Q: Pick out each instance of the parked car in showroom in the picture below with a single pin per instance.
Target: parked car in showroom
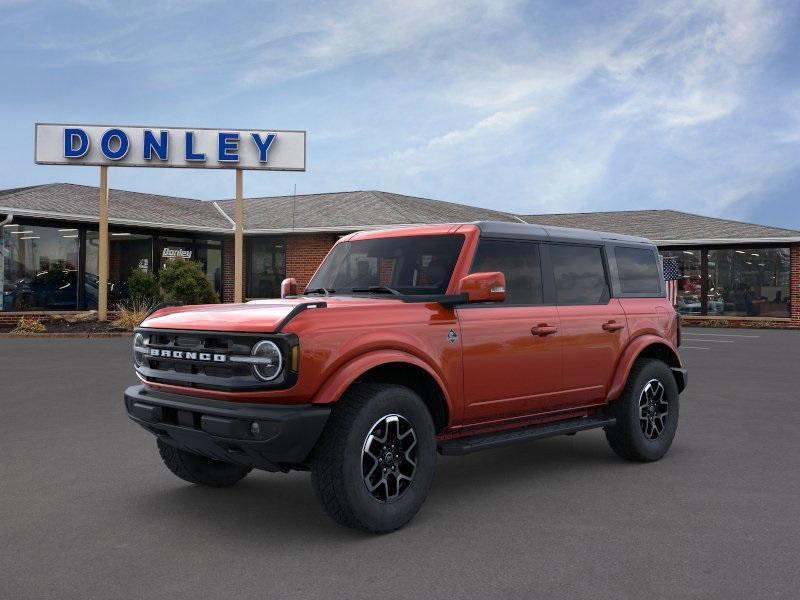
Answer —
(52, 288)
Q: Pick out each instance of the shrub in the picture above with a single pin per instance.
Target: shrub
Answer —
(184, 281)
(143, 288)
(132, 313)
(25, 325)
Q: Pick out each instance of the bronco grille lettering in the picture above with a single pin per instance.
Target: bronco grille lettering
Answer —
(185, 355)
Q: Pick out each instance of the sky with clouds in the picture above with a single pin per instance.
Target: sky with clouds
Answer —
(528, 107)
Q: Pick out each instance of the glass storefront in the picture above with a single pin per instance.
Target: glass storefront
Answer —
(39, 267)
(266, 267)
(749, 282)
(690, 279)
(54, 267)
(738, 282)
(128, 251)
(208, 253)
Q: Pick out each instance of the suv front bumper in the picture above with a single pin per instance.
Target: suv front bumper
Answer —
(263, 436)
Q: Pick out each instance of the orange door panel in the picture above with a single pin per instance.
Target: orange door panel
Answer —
(512, 360)
(593, 337)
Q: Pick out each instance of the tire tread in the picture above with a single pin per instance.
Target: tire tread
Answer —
(179, 462)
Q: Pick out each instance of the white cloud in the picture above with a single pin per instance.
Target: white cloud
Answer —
(348, 32)
(476, 143)
(566, 107)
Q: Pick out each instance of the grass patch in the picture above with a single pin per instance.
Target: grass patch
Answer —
(26, 325)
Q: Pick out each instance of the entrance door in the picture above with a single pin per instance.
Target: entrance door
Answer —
(511, 351)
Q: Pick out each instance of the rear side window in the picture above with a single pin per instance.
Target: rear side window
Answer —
(638, 271)
(519, 262)
(579, 274)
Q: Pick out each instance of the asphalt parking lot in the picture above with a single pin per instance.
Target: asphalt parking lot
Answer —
(88, 511)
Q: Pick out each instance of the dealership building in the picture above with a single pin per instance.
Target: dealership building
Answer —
(728, 271)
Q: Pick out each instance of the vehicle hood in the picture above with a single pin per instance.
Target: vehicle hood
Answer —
(257, 316)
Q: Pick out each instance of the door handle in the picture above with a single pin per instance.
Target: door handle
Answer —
(612, 326)
(543, 329)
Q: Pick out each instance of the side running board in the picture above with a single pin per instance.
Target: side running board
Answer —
(484, 441)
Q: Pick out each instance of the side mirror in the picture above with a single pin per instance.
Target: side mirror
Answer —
(484, 287)
(289, 287)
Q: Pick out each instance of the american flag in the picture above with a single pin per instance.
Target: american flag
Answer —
(671, 275)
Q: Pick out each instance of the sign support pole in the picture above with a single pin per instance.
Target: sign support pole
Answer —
(102, 267)
(238, 255)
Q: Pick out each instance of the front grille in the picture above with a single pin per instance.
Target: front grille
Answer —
(194, 359)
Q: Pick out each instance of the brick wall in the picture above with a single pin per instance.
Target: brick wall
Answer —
(228, 267)
(794, 283)
(304, 253)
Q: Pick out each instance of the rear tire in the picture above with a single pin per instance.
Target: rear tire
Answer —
(646, 413)
(199, 469)
(374, 463)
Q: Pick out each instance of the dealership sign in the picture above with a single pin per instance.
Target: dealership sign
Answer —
(176, 253)
(193, 148)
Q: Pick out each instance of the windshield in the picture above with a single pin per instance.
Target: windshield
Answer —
(420, 264)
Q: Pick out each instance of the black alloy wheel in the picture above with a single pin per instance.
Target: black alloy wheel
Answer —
(389, 458)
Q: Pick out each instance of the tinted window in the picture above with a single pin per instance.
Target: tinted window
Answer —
(579, 275)
(519, 262)
(416, 264)
(38, 268)
(638, 271)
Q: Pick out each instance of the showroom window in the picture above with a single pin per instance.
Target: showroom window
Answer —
(206, 252)
(690, 279)
(266, 266)
(748, 282)
(209, 255)
(39, 267)
(128, 251)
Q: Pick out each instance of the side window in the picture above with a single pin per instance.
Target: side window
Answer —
(579, 273)
(638, 271)
(519, 262)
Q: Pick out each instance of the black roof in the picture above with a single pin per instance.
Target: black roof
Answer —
(497, 229)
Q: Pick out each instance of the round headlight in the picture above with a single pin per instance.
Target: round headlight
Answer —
(138, 342)
(269, 360)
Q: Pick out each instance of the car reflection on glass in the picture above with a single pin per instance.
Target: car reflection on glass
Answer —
(690, 305)
(51, 289)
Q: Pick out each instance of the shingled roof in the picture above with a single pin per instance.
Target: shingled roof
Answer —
(667, 226)
(350, 211)
(72, 202)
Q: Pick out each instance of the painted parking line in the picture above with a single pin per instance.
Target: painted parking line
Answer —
(736, 335)
(694, 348)
(706, 341)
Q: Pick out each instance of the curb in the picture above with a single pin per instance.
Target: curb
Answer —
(115, 334)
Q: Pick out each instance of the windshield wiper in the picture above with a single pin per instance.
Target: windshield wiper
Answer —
(319, 290)
(378, 289)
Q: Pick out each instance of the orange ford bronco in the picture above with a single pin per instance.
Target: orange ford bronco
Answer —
(450, 338)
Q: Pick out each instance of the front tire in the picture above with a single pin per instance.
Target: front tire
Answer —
(646, 413)
(374, 463)
(199, 469)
